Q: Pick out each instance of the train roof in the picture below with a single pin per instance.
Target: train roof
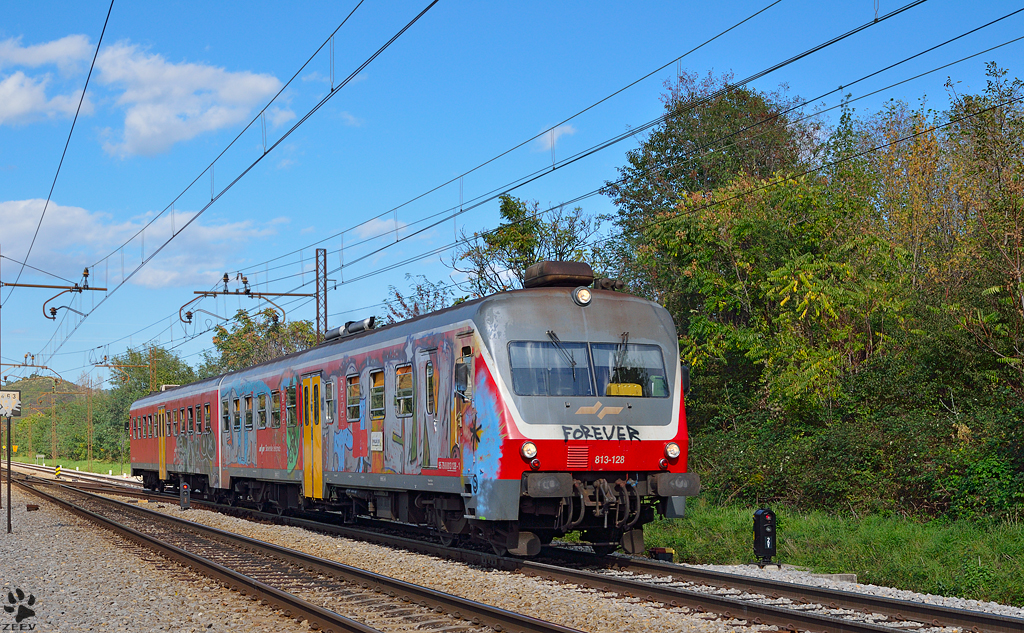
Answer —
(461, 311)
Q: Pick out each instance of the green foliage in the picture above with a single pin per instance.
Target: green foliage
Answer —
(496, 261)
(253, 340)
(710, 135)
(959, 558)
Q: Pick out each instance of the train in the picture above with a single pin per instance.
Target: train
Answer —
(507, 420)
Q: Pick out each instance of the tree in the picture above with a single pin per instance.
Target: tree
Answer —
(424, 296)
(131, 383)
(254, 340)
(496, 261)
(711, 134)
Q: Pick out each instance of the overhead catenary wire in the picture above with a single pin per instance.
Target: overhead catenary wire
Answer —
(261, 116)
(625, 135)
(596, 191)
(62, 155)
(253, 164)
(525, 142)
(747, 192)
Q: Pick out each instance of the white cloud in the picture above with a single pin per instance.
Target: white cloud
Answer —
(279, 116)
(23, 99)
(350, 119)
(544, 143)
(166, 103)
(378, 227)
(71, 237)
(66, 53)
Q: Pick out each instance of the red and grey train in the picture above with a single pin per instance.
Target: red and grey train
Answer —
(510, 420)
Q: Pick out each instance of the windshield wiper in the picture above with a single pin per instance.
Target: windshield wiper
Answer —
(569, 358)
(620, 353)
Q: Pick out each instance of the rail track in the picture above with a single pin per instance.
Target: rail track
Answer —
(74, 475)
(789, 606)
(300, 585)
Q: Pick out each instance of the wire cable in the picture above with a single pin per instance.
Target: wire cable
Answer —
(62, 155)
(253, 164)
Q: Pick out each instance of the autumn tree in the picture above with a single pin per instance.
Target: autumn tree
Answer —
(496, 260)
(423, 296)
(256, 339)
(711, 134)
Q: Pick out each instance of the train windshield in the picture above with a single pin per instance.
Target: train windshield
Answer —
(627, 369)
(553, 368)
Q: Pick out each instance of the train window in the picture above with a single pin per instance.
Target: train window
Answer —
(174, 426)
(555, 368)
(149, 426)
(403, 391)
(225, 416)
(464, 373)
(328, 402)
(629, 370)
(275, 409)
(261, 412)
(236, 414)
(316, 404)
(206, 417)
(181, 416)
(292, 419)
(376, 395)
(248, 412)
(191, 422)
(429, 371)
(352, 398)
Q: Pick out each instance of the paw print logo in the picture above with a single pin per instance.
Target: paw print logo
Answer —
(20, 605)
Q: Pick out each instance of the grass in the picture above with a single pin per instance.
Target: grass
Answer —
(958, 558)
(102, 467)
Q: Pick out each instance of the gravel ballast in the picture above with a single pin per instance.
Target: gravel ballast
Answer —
(85, 578)
(790, 574)
(574, 607)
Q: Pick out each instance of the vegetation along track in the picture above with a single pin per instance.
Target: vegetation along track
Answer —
(292, 581)
(786, 605)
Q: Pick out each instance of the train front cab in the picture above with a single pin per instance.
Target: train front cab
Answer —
(597, 421)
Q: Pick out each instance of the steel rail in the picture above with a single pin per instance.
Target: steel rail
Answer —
(930, 615)
(82, 476)
(321, 618)
(753, 612)
(455, 606)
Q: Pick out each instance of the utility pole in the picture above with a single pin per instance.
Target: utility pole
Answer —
(321, 294)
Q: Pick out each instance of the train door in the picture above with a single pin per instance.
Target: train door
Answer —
(428, 418)
(463, 390)
(312, 438)
(161, 442)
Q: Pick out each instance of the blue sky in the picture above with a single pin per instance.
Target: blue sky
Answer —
(175, 82)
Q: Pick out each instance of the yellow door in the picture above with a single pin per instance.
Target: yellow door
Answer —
(312, 439)
(161, 442)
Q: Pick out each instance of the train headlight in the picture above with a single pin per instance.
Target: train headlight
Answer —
(528, 450)
(672, 450)
(582, 296)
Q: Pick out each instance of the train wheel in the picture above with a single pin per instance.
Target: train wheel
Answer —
(500, 550)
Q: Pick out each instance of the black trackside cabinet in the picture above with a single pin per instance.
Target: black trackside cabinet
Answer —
(764, 534)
